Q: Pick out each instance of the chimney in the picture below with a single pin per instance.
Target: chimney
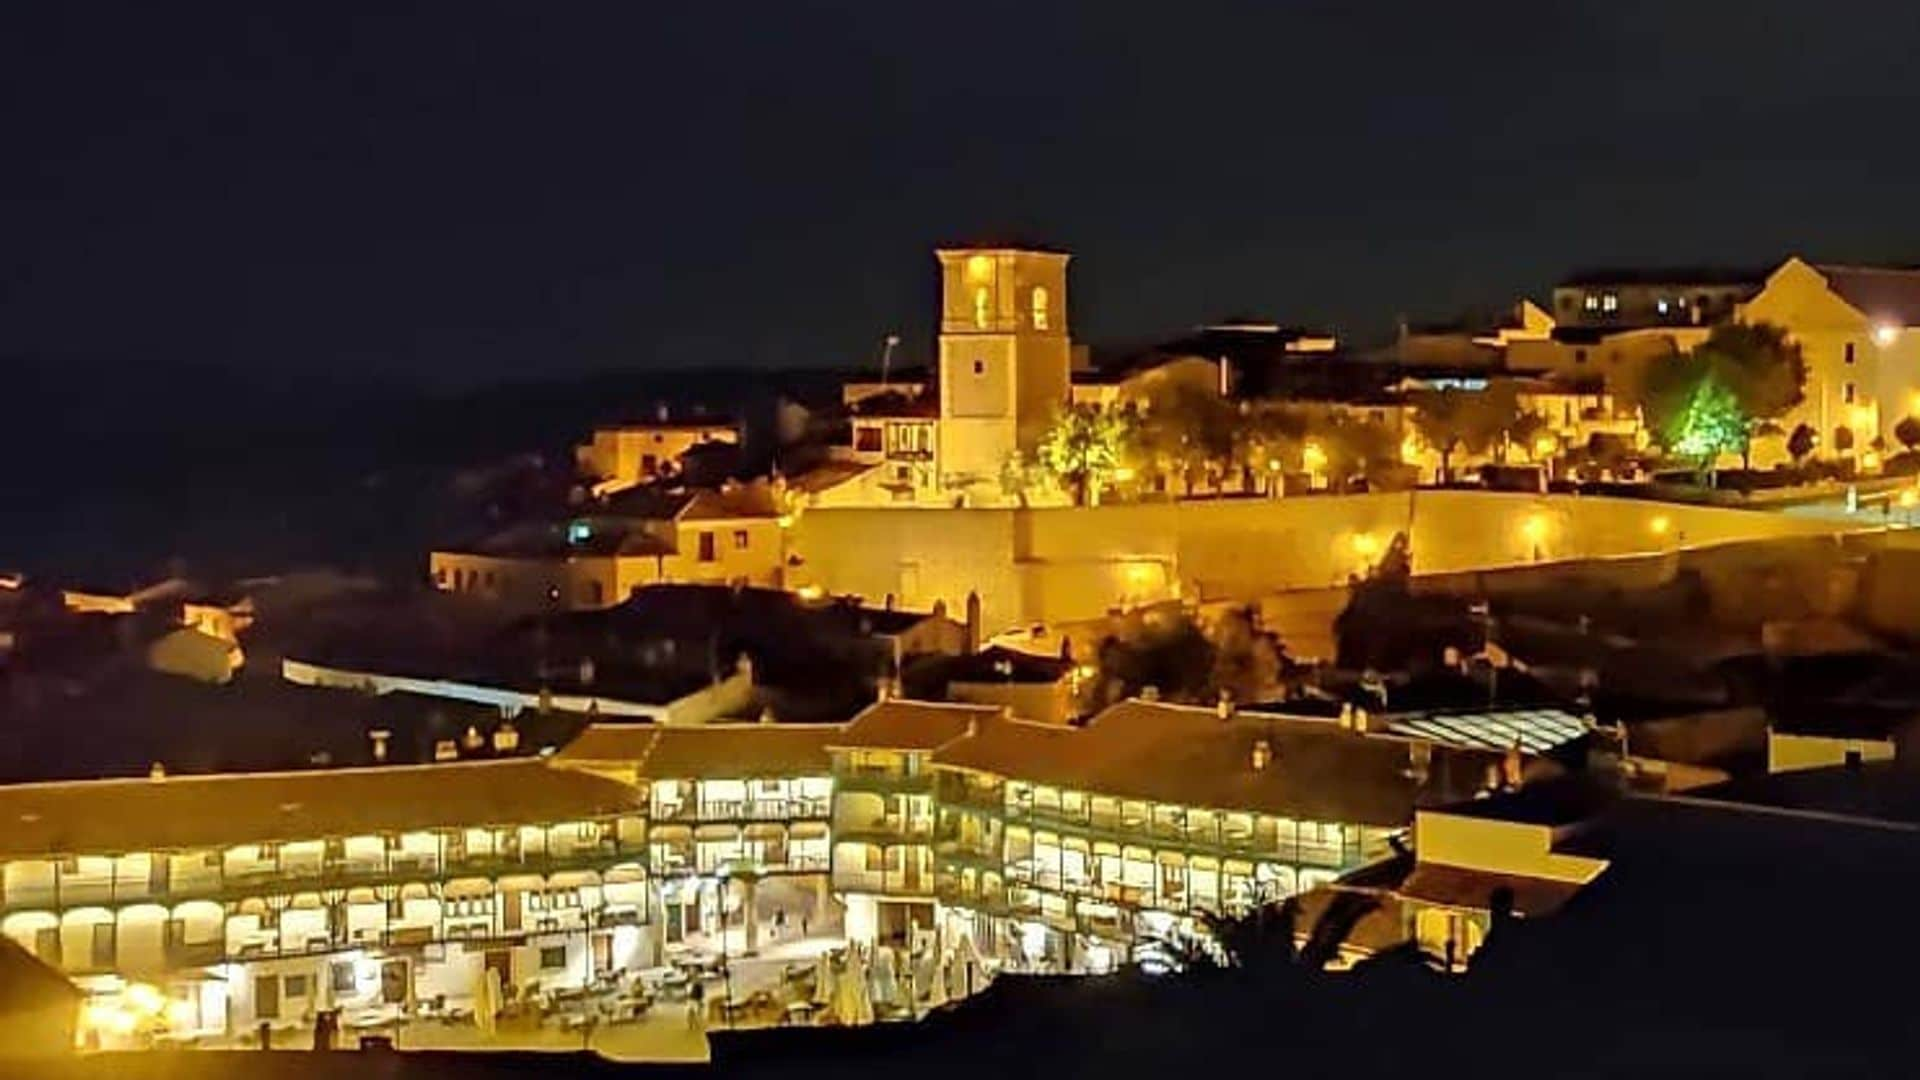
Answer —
(445, 750)
(379, 737)
(157, 772)
(973, 622)
(1223, 708)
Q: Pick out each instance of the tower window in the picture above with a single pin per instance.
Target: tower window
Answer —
(1846, 393)
(1849, 355)
(979, 367)
(982, 306)
(1040, 312)
(1610, 303)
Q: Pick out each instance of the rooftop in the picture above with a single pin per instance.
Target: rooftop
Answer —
(258, 722)
(188, 813)
(1878, 292)
(1555, 802)
(1191, 756)
(1666, 275)
(1881, 791)
(718, 751)
(899, 724)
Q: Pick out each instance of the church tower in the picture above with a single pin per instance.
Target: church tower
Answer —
(1004, 357)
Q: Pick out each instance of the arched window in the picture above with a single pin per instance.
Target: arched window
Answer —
(982, 307)
(1040, 312)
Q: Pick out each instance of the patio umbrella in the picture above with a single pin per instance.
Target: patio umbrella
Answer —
(486, 1000)
(822, 979)
(884, 984)
(851, 1003)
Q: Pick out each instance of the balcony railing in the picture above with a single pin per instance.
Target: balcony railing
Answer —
(332, 873)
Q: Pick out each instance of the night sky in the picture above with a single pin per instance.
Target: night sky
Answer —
(463, 193)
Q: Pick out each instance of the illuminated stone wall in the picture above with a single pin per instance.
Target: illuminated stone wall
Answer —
(1065, 564)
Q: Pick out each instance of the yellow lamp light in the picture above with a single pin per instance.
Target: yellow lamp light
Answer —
(1862, 418)
(1534, 528)
(1313, 457)
(979, 269)
(1410, 449)
(1870, 460)
(1544, 445)
(1885, 334)
(1909, 498)
(810, 592)
(1659, 525)
(1365, 545)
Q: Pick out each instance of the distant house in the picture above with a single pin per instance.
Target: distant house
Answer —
(625, 455)
(1858, 327)
(638, 537)
(1035, 687)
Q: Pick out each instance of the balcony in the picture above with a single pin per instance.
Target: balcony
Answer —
(886, 827)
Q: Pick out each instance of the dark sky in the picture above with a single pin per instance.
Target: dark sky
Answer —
(473, 191)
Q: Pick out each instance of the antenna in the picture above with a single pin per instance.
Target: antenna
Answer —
(886, 357)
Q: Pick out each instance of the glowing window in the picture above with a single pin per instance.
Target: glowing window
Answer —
(1040, 313)
(1610, 302)
(982, 305)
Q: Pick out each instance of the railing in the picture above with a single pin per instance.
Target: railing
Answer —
(333, 873)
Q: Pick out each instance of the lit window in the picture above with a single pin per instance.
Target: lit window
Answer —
(1591, 302)
(1661, 305)
(1040, 313)
(579, 532)
(1610, 303)
(982, 306)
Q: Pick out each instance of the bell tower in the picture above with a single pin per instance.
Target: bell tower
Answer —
(1004, 357)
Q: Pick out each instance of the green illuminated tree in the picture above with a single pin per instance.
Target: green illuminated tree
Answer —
(1710, 424)
(1084, 448)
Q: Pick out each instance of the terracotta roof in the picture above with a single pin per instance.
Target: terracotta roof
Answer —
(899, 724)
(115, 816)
(1186, 755)
(1878, 292)
(727, 751)
(1457, 886)
(741, 501)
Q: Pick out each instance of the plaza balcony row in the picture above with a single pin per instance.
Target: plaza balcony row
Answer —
(232, 873)
(151, 936)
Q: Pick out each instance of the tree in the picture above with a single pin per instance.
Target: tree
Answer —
(1084, 448)
(1753, 365)
(1711, 423)
(1472, 419)
(1187, 428)
(1764, 371)
(1908, 432)
(1802, 441)
(1842, 440)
